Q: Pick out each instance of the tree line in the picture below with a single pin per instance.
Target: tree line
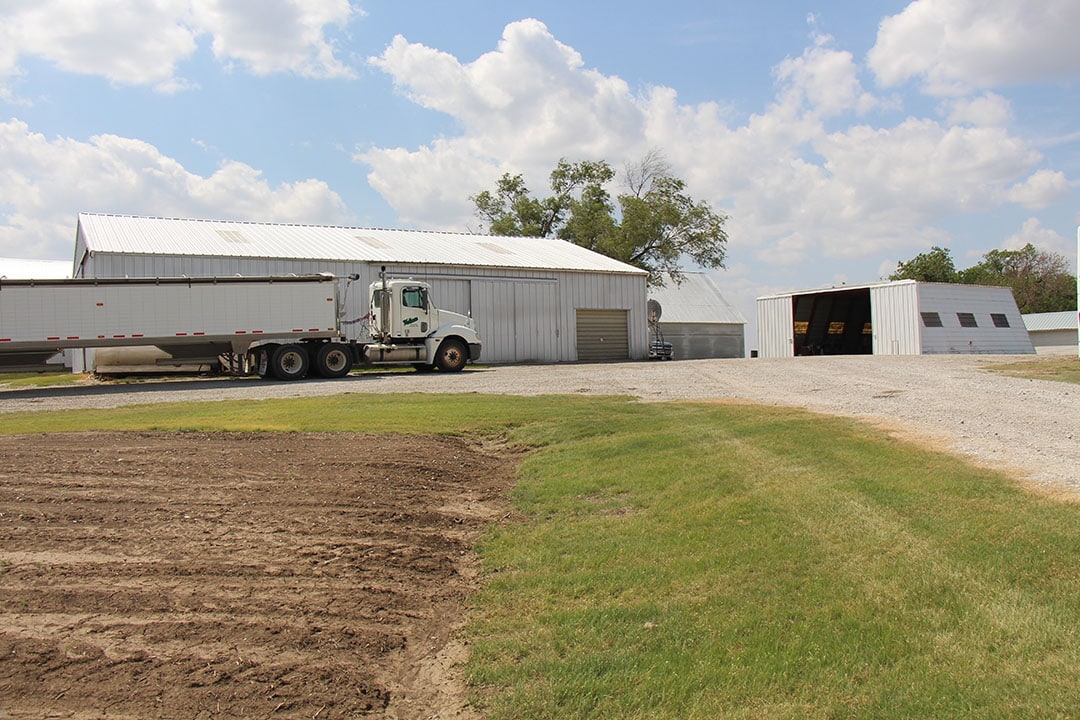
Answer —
(654, 224)
(1040, 280)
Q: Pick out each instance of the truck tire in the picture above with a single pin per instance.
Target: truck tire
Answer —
(451, 356)
(332, 360)
(289, 362)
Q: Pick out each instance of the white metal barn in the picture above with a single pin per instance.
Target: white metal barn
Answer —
(533, 299)
(698, 321)
(904, 317)
(1053, 333)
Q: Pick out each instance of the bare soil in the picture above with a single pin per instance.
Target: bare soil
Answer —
(195, 575)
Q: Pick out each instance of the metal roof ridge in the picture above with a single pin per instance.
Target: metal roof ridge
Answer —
(327, 226)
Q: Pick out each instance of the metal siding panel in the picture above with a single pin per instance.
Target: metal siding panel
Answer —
(951, 338)
(693, 341)
(776, 329)
(895, 319)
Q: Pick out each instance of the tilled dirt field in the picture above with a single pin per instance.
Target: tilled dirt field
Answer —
(322, 576)
(204, 575)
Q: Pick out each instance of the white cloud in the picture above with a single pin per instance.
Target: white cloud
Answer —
(141, 43)
(271, 36)
(954, 46)
(518, 105)
(824, 79)
(45, 183)
(1041, 190)
(795, 190)
(986, 110)
(1042, 238)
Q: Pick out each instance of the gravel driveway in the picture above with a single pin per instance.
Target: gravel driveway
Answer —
(1029, 427)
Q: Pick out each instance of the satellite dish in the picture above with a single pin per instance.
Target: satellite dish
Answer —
(655, 311)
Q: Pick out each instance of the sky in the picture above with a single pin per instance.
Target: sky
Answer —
(837, 136)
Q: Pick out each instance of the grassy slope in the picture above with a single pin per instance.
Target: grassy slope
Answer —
(1056, 367)
(704, 560)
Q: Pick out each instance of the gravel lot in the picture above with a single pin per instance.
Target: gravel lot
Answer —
(1029, 427)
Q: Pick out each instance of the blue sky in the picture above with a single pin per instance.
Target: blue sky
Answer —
(839, 136)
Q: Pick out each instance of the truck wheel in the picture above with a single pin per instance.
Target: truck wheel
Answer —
(333, 360)
(289, 362)
(451, 356)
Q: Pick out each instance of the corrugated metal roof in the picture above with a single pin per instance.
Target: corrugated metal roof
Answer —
(1066, 320)
(120, 234)
(696, 300)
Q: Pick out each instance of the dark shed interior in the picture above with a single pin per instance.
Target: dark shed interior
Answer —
(833, 323)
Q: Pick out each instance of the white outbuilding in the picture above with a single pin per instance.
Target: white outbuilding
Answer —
(697, 320)
(904, 317)
(533, 299)
(1053, 333)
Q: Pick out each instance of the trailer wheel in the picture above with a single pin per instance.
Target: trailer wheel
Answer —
(289, 362)
(333, 360)
(451, 356)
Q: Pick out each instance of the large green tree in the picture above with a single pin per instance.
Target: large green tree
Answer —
(653, 225)
(934, 266)
(1040, 280)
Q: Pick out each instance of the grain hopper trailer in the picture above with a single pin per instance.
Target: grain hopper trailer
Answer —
(282, 327)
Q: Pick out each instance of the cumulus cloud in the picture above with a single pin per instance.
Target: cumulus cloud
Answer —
(988, 109)
(825, 79)
(142, 43)
(1041, 190)
(518, 104)
(45, 183)
(954, 46)
(1042, 238)
(795, 187)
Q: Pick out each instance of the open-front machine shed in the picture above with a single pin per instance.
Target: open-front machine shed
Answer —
(891, 318)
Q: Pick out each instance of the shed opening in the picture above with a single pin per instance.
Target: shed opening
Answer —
(833, 323)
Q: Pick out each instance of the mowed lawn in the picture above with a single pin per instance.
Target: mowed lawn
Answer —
(696, 560)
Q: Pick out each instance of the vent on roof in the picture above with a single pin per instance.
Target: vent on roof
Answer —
(495, 248)
(372, 242)
(233, 236)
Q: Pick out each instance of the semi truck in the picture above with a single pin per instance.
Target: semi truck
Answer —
(277, 327)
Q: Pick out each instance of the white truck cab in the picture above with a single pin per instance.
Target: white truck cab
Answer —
(407, 327)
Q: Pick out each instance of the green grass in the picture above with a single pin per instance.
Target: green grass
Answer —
(725, 561)
(1059, 368)
(42, 379)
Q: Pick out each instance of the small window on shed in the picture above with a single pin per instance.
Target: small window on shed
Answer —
(967, 319)
(1000, 320)
(931, 319)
